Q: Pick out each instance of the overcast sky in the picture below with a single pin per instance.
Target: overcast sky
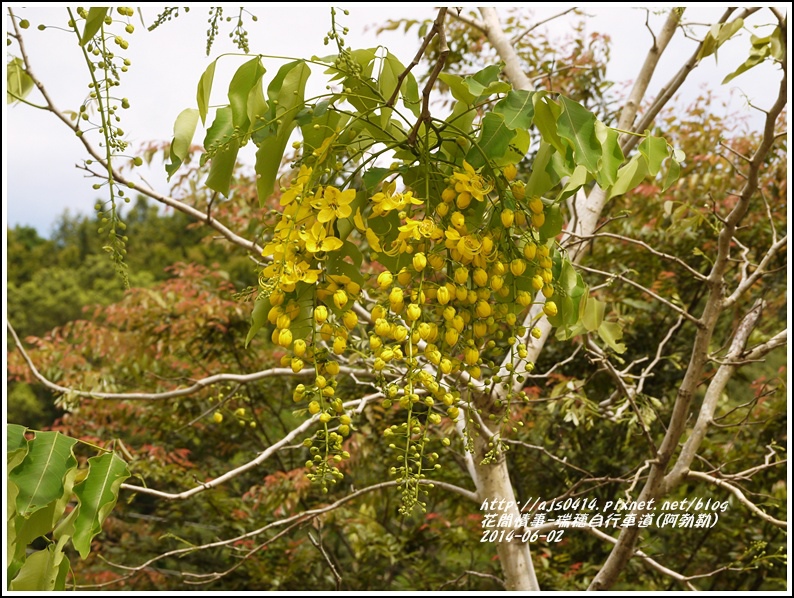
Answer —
(39, 154)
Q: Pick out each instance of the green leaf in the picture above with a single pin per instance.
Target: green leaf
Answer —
(486, 81)
(517, 109)
(593, 314)
(246, 80)
(611, 155)
(286, 94)
(655, 150)
(516, 150)
(673, 172)
(204, 91)
(93, 23)
(40, 476)
(184, 129)
(223, 145)
(547, 113)
(458, 88)
(96, 496)
(611, 333)
(492, 142)
(540, 181)
(258, 317)
(576, 124)
(577, 180)
(16, 445)
(762, 48)
(552, 226)
(718, 35)
(630, 175)
(374, 176)
(44, 570)
(18, 82)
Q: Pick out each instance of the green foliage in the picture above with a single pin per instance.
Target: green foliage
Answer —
(42, 478)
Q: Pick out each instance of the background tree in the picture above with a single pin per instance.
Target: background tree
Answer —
(599, 417)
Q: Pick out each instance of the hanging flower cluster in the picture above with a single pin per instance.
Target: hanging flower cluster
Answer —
(461, 267)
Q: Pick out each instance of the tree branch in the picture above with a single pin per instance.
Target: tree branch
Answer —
(748, 281)
(531, 28)
(171, 394)
(709, 405)
(227, 233)
(681, 312)
(703, 477)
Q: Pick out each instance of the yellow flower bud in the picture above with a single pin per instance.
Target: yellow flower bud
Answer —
(548, 291)
(537, 282)
(332, 368)
(326, 332)
(296, 364)
(400, 333)
(483, 309)
(458, 323)
(530, 250)
(340, 298)
(451, 336)
(396, 296)
(550, 309)
(419, 261)
(538, 220)
(449, 313)
(521, 219)
(461, 275)
(350, 319)
(285, 337)
(471, 355)
(445, 366)
(497, 282)
(458, 220)
(404, 277)
(507, 217)
(314, 407)
(414, 312)
(536, 332)
(385, 279)
(480, 329)
(510, 171)
(382, 327)
(518, 267)
(523, 298)
(480, 277)
(442, 209)
(320, 314)
(461, 293)
(436, 261)
(453, 412)
(442, 295)
(299, 347)
(518, 189)
(217, 417)
(340, 345)
(547, 276)
(448, 194)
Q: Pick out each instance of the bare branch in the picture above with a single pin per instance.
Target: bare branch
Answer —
(681, 312)
(709, 405)
(318, 544)
(443, 52)
(531, 28)
(748, 281)
(703, 477)
(629, 393)
(645, 246)
(669, 90)
(471, 22)
(655, 565)
(172, 394)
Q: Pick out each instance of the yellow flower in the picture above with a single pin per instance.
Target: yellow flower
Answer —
(316, 239)
(333, 203)
(472, 182)
(296, 188)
